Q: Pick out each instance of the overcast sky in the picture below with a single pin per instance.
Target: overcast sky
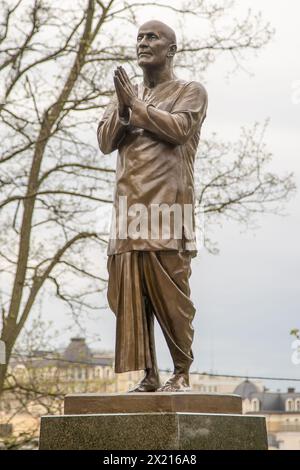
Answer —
(248, 296)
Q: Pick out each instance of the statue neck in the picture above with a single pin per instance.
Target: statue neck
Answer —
(155, 76)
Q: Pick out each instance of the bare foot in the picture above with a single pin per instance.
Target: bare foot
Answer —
(176, 383)
(150, 383)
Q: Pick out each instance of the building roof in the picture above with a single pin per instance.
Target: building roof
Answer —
(77, 350)
(246, 389)
(77, 353)
(269, 401)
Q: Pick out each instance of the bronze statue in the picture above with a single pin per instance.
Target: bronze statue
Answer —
(155, 127)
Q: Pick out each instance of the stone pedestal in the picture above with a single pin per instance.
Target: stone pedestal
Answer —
(158, 402)
(161, 421)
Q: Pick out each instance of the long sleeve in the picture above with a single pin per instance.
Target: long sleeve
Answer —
(111, 128)
(177, 126)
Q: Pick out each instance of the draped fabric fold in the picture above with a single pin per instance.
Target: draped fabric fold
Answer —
(144, 285)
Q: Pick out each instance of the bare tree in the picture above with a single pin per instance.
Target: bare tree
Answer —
(38, 378)
(55, 71)
(233, 182)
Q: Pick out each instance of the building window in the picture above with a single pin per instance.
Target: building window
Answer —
(289, 405)
(255, 404)
(246, 405)
(297, 404)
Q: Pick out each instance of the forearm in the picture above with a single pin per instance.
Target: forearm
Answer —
(175, 128)
(111, 129)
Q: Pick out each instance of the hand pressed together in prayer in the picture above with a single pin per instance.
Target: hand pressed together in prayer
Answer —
(125, 90)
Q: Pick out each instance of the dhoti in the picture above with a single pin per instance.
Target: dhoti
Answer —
(147, 284)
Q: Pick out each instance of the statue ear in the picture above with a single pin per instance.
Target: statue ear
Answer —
(172, 50)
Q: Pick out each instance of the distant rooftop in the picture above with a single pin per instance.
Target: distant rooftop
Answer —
(77, 352)
(269, 401)
(246, 389)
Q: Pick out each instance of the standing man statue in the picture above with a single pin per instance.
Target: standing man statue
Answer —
(155, 127)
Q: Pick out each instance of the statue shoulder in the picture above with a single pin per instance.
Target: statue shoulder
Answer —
(197, 87)
(193, 90)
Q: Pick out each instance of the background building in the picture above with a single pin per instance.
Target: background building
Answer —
(282, 412)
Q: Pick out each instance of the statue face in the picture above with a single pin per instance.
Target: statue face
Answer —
(152, 46)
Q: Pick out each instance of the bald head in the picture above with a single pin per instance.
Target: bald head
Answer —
(156, 45)
(160, 27)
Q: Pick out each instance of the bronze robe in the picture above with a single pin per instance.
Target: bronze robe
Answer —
(155, 165)
(144, 284)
